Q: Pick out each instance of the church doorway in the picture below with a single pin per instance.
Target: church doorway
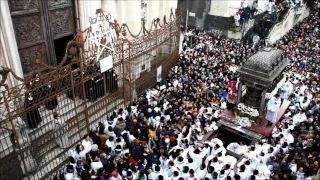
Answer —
(60, 47)
(37, 25)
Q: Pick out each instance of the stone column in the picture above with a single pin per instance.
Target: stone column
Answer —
(87, 9)
(121, 11)
(262, 103)
(9, 54)
(110, 7)
(153, 11)
(170, 5)
(162, 6)
(133, 16)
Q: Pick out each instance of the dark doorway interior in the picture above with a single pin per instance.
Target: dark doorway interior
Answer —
(60, 47)
(228, 137)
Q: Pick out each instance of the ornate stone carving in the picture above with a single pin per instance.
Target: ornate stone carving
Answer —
(28, 30)
(58, 2)
(61, 21)
(29, 55)
(23, 5)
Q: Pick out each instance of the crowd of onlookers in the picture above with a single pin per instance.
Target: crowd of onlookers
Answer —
(162, 134)
(265, 17)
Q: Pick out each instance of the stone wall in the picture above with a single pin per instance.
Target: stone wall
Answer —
(217, 24)
(294, 16)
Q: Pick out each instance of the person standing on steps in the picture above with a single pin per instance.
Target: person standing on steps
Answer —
(60, 131)
(273, 107)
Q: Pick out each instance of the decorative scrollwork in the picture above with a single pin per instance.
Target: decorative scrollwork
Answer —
(28, 29)
(19, 5)
(58, 2)
(61, 21)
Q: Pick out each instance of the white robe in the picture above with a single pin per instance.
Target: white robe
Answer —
(61, 133)
(285, 90)
(298, 118)
(273, 108)
(236, 20)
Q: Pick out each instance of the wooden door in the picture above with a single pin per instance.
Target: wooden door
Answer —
(37, 23)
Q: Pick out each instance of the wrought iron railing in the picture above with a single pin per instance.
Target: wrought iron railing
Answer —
(79, 93)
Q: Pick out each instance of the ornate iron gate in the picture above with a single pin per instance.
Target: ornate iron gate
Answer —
(79, 94)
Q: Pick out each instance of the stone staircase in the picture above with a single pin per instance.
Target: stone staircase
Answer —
(40, 144)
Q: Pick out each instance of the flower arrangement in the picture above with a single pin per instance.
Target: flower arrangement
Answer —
(248, 110)
(243, 121)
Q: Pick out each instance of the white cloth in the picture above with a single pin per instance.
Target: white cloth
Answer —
(284, 91)
(95, 165)
(255, 39)
(201, 173)
(61, 133)
(272, 109)
(87, 145)
(236, 20)
(298, 118)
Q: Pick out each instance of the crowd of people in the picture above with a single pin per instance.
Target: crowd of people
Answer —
(162, 135)
(265, 16)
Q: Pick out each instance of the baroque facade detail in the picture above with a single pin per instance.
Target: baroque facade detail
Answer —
(28, 30)
(53, 3)
(29, 55)
(61, 21)
(23, 5)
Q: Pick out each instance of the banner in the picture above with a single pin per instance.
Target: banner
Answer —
(106, 64)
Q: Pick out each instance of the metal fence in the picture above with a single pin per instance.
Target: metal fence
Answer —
(79, 93)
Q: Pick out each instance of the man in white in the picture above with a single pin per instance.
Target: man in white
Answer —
(273, 107)
(235, 147)
(237, 19)
(87, 143)
(61, 132)
(285, 91)
(300, 117)
(256, 39)
(198, 156)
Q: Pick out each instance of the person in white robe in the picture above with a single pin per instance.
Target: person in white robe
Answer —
(291, 87)
(60, 132)
(237, 19)
(284, 91)
(300, 117)
(197, 156)
(273, 107)
(202, 171)
(87, 143)
(235, 147)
